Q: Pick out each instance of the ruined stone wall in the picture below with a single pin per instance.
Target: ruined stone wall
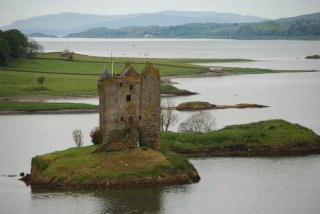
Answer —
(119, 99)
(150, 106)
(130, 102)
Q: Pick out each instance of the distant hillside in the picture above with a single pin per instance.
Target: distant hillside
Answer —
(301, 27)
(308, 17)
(65, 23)
(41, 35)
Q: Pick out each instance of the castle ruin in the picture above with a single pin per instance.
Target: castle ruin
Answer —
(130, 108)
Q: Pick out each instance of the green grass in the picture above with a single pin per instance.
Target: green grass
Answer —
(16, 83)
(172, 90)
(167, 61)
(77, 78)
(90, 68)
(80, 165)
(264, 133)
(24, 84)
(33, 106)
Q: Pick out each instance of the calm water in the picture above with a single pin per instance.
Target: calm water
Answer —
(291, 96)
(228, 185)
(275, 54)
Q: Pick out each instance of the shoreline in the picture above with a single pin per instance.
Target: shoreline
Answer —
(200, 153)
(79, 97)
(110, 169)
(60, 111)
(163, 78)
(212, 74)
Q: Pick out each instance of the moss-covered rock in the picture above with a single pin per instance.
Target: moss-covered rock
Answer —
(198, 106)
(193, 106)
(79, 167)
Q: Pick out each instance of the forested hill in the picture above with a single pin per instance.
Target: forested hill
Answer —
(300, 27)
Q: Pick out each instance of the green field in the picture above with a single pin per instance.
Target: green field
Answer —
(79, 76)
(35, 106)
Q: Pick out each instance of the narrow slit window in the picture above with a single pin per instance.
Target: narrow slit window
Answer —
(140, 117)
(131, 120)
(121, 119)
(129, 98)
(121, 84)
(131, 87)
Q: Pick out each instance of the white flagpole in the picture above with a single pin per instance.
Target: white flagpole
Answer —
(112, 63)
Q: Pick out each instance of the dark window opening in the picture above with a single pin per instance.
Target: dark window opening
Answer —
(131, 87)
(121, 119)
(145, 76)
(128, 98)
(131, 120)
(121, 84)
(140, 117)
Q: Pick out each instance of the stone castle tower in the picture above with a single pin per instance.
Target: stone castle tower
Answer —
(130, 108)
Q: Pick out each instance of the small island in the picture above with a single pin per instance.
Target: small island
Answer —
(195, 106)
(263, 138)
(313, 57)
(80, 167)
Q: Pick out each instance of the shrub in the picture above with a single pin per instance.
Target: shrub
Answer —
(67, 54)
(77, 137)
(41, 80)
(33, 48)
(198, 122)
(96, 136)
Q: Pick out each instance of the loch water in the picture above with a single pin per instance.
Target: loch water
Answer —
(228, 185)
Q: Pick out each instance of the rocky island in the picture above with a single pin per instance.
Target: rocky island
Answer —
(313, 57)
(80, 167)
(194, 106)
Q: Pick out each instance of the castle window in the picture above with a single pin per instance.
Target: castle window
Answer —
(121, 84)
(140, 117)
(131, 87)
(121, 119)
(145, 76)
(131, 120)
(128, 98)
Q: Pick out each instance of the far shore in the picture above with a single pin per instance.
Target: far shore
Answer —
(54, 111)
(22, 84)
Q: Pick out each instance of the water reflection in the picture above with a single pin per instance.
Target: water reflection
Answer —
(132, 200)
(228, 185)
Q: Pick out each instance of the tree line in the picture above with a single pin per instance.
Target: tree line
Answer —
(297, 29)
(15, 45)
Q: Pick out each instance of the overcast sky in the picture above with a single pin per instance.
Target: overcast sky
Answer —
(11, 10)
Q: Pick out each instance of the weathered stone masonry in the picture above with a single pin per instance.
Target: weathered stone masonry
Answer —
(130, 107)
